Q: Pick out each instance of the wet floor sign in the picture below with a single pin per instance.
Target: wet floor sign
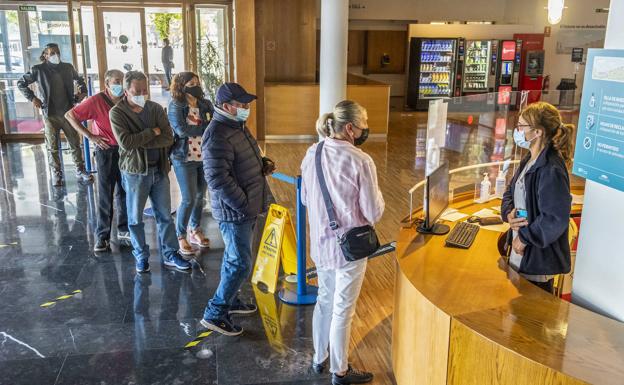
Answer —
(278, 243)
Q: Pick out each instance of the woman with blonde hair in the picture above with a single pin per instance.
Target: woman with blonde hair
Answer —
(351, 179)
(537, 202)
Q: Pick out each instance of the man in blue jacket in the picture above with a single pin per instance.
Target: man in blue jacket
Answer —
(236, 174)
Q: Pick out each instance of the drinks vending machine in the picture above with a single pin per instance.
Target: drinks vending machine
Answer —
(508, 72)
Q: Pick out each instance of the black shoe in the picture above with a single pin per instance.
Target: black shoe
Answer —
(318, 368)
(353, 376)
(242, 308)
(101, 245)
(223, 326)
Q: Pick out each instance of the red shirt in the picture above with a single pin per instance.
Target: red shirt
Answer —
(96, 109)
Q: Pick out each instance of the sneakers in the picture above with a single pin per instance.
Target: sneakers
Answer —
(353, 376)
(318, 368)
(124, 237)
(57, 179)
(184, 247)
(84, 176)
(101, 245)
(177, 262)
(142, 266)
(223, 326)
(197, 238)
(242, 308)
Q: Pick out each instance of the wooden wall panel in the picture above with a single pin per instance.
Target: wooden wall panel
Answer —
(289, 29)
(475, 360)
(420, 337)
(378, 43)
(356, 47)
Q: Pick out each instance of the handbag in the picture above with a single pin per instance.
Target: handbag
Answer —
(357, 243)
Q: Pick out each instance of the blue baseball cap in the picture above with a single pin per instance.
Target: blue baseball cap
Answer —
(233, 91)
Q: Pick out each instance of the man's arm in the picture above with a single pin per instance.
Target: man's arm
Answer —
(23, 83)
(126, 139)
(165, 139)
(80, 81)
(81, 112)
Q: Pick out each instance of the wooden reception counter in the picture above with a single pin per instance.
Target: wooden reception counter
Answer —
(463, 317)
(291, 109)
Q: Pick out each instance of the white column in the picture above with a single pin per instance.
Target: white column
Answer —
(334, 38)
(598, 283)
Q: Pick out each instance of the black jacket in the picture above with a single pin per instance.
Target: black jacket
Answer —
(233, 169)
(548, 202)
(41, 73)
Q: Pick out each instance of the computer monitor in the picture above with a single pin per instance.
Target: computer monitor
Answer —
(436, 201)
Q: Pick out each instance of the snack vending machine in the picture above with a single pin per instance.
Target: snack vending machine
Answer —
(432, 70)
(477, 64)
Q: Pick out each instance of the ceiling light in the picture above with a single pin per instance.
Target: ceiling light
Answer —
(555, 11)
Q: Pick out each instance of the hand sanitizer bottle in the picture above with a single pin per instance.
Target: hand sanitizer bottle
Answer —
(484, 194)
(499, 188)
(592, 101)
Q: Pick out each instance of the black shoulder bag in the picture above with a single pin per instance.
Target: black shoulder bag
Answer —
(357, 243)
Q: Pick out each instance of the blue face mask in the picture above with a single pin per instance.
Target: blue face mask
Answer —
(520, 139)
(242, 114)
(116, 89)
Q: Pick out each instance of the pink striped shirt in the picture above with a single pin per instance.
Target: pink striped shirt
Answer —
(351, 178)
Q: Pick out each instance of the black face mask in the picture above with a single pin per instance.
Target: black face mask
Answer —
(195, 91)
(360, 141)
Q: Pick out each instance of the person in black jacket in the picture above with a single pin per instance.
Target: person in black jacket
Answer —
(56, 85)
(236, 174)
(541, 186)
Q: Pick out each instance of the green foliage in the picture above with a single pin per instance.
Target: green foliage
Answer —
(211, 69)
(162, 22)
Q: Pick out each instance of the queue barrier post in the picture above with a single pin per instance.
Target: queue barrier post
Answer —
(305, 294)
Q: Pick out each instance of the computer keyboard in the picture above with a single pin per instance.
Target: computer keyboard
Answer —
(462, 235)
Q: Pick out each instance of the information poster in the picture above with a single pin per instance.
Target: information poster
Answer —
(599, 154)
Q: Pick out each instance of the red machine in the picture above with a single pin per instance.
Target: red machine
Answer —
(508, 71)
(532, 64)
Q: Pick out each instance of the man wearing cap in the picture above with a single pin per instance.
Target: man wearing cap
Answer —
(55, 81)
(235, 171)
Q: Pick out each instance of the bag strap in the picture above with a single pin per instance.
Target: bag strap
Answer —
(107, 99)
(329, 205)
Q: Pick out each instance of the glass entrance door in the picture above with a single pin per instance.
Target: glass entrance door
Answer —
(125, 43)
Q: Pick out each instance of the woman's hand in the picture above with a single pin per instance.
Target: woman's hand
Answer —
(516, 223)
(518, 246)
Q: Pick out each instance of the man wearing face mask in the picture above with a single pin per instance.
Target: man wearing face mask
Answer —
(236, 174)
(144, 135)
(96, 109)
(55, 81)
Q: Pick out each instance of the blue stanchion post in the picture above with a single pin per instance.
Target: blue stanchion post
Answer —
(85, 141)
(305, 294)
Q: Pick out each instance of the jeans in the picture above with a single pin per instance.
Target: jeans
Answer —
(338, 292)
(235, 268)
(167, 68)
(109, 186)
(193, 189)
(154, 185)
(53, 127)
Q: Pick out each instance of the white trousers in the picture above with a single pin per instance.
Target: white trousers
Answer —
(338, 292)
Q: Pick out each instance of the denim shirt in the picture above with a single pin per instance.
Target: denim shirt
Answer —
(177, 113)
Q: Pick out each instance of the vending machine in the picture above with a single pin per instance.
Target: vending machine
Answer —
(432, 70)
(477, 63)
(508, 70)
(532, 65)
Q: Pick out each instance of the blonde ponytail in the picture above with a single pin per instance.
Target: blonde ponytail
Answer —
(562, 142)
(324, 125)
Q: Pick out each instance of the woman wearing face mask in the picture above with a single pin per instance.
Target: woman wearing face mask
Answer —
(351, 179)
(189, 113)
(541, 189)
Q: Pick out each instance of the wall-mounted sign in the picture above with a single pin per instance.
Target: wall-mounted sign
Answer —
(599, 154)
(547, 31)
(577, 55)
(28, 8)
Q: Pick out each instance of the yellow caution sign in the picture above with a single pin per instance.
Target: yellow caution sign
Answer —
(278, 243)
(270, 318)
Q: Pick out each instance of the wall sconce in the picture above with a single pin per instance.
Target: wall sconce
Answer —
(555, 11)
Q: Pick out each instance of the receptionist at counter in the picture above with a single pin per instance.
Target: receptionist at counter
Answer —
(537, 201)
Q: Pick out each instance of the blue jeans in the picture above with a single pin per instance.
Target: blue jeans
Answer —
(154, 185)
(193, 189)
(235, 268)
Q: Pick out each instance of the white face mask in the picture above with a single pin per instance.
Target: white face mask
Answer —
(139, 100)
(54, 59)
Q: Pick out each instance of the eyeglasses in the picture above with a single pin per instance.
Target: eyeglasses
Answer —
(519, 126)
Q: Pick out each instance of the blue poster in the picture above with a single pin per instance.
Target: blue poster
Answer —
(599, 153)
